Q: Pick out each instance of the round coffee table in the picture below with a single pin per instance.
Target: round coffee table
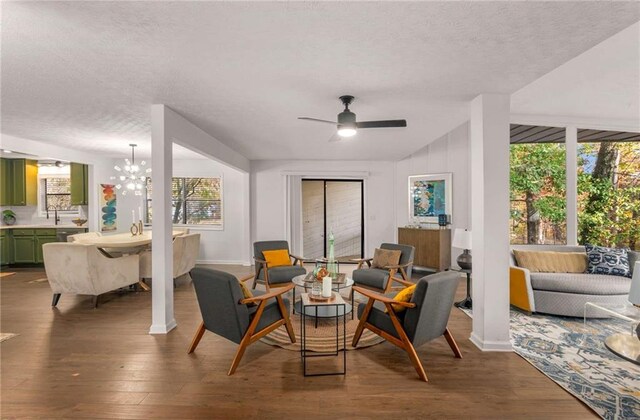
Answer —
(322, 312)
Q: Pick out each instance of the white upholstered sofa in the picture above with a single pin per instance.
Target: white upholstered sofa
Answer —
(81, 269)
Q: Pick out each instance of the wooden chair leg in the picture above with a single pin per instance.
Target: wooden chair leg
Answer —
(56, 298)
(415, 360)
(94, 301)
(287, 321)
(196, 338)
(406, 343)
(363, 321)
(452, 343)
(246, 340)
(239, 353)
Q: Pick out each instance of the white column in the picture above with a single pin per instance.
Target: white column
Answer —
(162, 244)
(489, 129)
(571, 147)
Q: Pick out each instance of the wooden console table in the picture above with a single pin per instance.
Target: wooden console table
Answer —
(433, 246)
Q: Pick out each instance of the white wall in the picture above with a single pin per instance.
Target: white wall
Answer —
(268, 196)
(226, 246)
(449, 153)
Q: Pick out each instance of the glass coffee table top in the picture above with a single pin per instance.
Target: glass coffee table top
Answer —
(625, 345)
(322, 312)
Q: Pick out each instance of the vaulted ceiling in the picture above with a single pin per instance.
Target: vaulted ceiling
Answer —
(84, 74)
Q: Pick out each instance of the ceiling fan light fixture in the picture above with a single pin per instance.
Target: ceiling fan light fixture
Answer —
(347, 132)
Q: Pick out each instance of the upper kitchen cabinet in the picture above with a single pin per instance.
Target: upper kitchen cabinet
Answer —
(19, 185)
(79, 184)
(5, 177)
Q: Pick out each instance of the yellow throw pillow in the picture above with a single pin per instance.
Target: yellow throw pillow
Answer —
(277, 257)
(403, 295)
(551, 261)
(246, 293)
(385, 257)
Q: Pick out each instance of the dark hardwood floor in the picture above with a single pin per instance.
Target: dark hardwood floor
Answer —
(76, 361)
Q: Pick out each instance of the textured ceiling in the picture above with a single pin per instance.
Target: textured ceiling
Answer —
(601, 83)
(83, 74)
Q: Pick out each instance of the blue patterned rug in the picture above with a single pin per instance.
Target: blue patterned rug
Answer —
(577, 360)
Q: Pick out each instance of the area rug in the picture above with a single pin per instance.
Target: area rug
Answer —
(577, 360)
(322, 338)
(6, 274)
(6, 336)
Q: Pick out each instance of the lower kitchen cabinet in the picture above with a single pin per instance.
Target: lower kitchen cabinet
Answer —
(5, 248)
(24, 250)
(24, 246)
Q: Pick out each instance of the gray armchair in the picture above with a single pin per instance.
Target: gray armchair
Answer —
(378, 278)
(425, 318)
(275, 276)
(225, 311)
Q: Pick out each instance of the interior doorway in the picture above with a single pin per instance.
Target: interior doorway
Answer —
(333, 205)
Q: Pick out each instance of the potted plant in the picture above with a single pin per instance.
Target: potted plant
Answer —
(8, 217)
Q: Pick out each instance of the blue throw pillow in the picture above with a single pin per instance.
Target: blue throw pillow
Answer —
(603, 260)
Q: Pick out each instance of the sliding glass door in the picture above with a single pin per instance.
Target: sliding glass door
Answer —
(333, 206)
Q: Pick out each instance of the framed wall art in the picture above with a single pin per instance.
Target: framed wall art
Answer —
(429, 197)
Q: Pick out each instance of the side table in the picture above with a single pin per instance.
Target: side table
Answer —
(466, 302)
(338, 303)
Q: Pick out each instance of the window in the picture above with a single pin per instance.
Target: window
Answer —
(537, 192)
(194, 201)
(54, 191)
(609, 193)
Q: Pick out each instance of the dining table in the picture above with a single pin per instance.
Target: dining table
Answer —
(124, 243)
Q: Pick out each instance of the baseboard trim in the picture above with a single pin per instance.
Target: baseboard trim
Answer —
(491, 345)
(225, 262)
(163, 328)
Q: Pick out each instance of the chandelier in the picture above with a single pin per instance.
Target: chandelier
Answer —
(132, 176)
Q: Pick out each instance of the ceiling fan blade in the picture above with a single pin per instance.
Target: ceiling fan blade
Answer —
(335, 138)
(382, 124)
(317, 120)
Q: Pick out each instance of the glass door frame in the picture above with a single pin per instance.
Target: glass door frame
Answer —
(324, 211)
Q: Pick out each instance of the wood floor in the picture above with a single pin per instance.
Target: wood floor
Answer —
(76, 361)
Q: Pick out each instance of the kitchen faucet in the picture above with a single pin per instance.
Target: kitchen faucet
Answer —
(56, 219)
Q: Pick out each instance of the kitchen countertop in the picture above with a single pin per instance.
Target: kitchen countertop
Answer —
(71, 226)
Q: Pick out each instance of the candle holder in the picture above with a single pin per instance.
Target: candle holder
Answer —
(140, 227)
(134, 229)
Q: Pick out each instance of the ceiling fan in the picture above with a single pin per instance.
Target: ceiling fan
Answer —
(347, 125)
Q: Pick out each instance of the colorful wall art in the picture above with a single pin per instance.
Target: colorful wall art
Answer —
(429, 197)
(109, 218)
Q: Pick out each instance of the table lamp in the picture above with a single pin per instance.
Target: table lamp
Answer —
(462, 240)
(634, 292)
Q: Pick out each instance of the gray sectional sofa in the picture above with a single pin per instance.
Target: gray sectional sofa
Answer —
(563, 293)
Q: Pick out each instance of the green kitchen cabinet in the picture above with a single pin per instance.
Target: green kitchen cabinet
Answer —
(24, 250)
(5, 247)
(5, 186)
(41, 240)
(79, 175)
(23, 182)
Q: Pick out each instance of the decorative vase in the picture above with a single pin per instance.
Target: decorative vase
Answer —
(8, 219)
(332, 267)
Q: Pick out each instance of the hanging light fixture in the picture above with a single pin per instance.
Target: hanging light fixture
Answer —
(132, 176)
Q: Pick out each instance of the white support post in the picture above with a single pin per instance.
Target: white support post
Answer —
(490, 221)
(571, 148)
(163, 319)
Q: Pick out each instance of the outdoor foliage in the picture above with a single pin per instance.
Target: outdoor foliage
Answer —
(608, 193)
(537, 176)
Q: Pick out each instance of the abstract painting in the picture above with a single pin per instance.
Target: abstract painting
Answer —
(109, 218)
(429, 197)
